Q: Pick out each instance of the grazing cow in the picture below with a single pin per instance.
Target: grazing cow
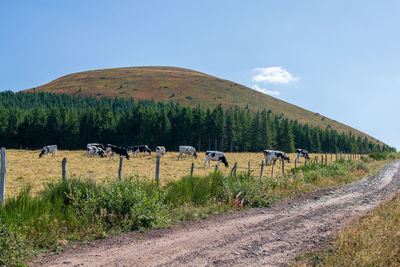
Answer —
(272, 155)
(95, 151)
(302, 153)
(121, 151)
(106, 149)
(49, 149)
(215, 156)
(160, 150)
(140, 148)
(187, 150)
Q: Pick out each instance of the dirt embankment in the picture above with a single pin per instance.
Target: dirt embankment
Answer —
(258, 237)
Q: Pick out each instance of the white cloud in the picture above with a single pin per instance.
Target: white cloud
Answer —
(273, 75)
(263, 90)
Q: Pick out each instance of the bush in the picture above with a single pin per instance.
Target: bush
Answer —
(314, 172)
(253, 190)
(196, 190)
(384, 155)
(200, 190)
(13, 247)
(139, 204)
(366, 159)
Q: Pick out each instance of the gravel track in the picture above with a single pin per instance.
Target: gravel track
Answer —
(272, 236)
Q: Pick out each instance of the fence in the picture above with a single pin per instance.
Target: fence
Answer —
(249, 171)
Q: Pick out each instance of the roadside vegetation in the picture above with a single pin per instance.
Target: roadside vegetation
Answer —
(78, 210)
(372, 240)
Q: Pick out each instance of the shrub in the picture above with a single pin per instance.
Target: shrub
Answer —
(201, 190)
(384, 155)
(13, 247)
(379, 155)
(137, 203)
(195, 189)
(365, 159)
(253, 190)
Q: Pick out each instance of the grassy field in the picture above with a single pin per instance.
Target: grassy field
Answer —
(25, 167)
(184, 86)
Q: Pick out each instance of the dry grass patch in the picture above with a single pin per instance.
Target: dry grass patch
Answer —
(24, 167)
(372, 240)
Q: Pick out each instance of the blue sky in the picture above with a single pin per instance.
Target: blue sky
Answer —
(338, 58)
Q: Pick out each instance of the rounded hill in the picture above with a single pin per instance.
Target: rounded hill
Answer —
(184, 86)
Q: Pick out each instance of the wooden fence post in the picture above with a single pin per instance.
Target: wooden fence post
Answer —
(283, 167)
(295, 162)
(191, 169)
(216, 168)
(336, 156)
(233, 169)
(158, 168)
(262, 167)
(322, 159)
(326, 158)
(64, 169)
(248, 164)
(121, 159)
(272, 170)
(3, 176)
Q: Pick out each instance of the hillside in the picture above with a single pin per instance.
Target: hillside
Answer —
(184, 86)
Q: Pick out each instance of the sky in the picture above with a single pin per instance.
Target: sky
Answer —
(338, 58)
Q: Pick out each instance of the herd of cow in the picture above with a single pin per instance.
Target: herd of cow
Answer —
(100, 150)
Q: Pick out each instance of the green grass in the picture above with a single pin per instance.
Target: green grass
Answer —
(188, 87)
(82, 210)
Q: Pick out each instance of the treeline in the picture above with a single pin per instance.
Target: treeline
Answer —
(32, 120)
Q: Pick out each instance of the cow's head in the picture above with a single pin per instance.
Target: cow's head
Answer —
(127, 156)
(285, 158)
(102, 153)
(306, 156)
(194, 154)
(41, 153)
(223, 160)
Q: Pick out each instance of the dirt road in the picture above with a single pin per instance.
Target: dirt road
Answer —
(258, 237)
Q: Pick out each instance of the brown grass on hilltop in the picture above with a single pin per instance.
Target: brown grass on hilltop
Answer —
(188, 87)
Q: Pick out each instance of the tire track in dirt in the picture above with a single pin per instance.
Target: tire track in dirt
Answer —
(258, 237)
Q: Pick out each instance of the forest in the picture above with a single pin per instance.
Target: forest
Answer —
(35, 119)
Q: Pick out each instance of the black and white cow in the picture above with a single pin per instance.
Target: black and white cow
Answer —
(160, 150)
(121, 151)
(272, 155)
(49, 149)
(215, 156)
(187, 150)
(141, 148)
(106, 149)
(95, 151)
(302, 153)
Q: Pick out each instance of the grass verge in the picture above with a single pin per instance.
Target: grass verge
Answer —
(373, 240)
(79, 210)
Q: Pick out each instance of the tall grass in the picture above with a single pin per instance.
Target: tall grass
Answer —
(371, 241)
(217, 187)
(384, 155)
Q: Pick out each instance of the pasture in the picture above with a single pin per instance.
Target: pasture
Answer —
(25, 167)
